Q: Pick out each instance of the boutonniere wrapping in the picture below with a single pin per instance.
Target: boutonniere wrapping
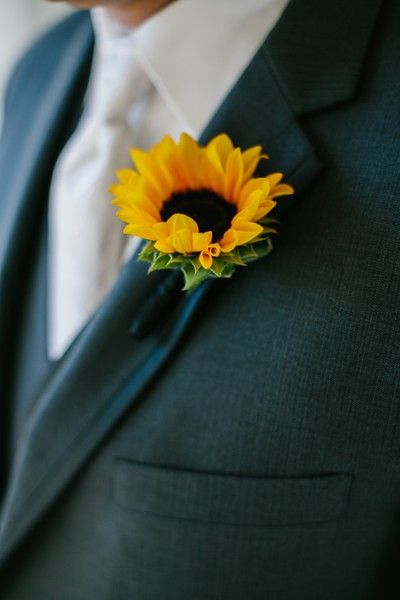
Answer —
(199, 207)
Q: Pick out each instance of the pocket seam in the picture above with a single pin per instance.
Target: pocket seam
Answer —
(226, 499)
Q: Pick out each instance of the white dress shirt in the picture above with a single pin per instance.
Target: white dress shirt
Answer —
(190, 55)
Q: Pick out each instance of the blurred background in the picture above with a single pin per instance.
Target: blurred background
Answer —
(20, 22)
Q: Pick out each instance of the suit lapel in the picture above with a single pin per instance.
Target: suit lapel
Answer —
(107, 370)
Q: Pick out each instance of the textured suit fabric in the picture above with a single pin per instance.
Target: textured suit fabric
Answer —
(31, 366)
(261, 459)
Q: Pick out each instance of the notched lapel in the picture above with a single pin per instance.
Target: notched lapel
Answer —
(257, 113)
(107, 369)
(328, 41)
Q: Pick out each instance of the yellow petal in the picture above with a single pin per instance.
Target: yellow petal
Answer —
(214, 250)
(190, 160)
(146, 190)
(149, 169)
(127, 177)
(181, 161)
(229, 240)
(281, 190)
(181, 240)
(178, 221)
(274, 179)
(212, 177)
(120, 191)
(205, 259)
(167, 155)
(121, 203)
(246, 232)
(162, 230)
(251, 158)
(164, 246)
(264, 208)
(126, 216)
(138, 215)
(200, 241)
(145, 205)
(137, 207)
(250, 208)
(141, 231)
(258, 183)
(214, 158)
(123, 217)
(234, 175)
(223, 146)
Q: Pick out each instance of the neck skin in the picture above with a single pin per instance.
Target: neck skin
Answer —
(135, 13)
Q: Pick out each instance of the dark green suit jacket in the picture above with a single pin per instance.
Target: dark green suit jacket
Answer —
(247, 445)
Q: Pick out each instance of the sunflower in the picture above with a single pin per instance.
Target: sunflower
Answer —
(199, 207)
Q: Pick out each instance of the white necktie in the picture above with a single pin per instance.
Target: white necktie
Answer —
(86, 243)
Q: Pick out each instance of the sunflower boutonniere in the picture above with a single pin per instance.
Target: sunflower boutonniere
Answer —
(199, 207)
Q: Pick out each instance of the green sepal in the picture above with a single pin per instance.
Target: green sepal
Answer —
(266, 221)
(148, 252)
(159, 262)
(217, 267)
(193, 277)
(259, 250)
(223, 266)
(233, 258)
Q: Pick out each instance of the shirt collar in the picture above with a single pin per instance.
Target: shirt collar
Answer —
(193, 51)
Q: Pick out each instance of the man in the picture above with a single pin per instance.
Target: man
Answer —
(241, 441)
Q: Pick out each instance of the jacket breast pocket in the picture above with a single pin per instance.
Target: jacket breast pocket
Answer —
(241, 500)
(185, 534)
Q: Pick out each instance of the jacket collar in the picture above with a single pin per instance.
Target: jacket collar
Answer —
(82, 402)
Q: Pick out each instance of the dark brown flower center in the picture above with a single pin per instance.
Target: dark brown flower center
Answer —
(210, 211)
